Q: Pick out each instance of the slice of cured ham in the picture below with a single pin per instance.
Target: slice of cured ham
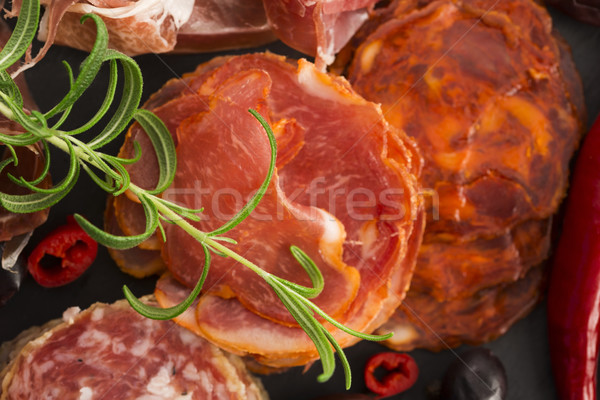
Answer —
(318, 28)
(495, 106)
(344, 191)
(155, 26)
(111, 352)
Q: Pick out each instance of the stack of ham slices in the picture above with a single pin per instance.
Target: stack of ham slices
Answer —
(496, 107)
(318, 28)
(345, 191)
(109, 351)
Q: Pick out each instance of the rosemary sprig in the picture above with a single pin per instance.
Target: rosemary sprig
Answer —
(110, 174)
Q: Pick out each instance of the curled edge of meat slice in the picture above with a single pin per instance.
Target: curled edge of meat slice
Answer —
(317, 28)
(127, 354)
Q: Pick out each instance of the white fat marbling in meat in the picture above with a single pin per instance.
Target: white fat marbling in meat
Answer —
(85, 360)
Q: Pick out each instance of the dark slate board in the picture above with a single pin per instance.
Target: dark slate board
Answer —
(523, 350)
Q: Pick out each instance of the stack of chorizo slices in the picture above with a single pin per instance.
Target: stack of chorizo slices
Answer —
(494, 102)
(345, 191)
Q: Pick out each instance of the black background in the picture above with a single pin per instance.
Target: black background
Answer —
(523, 350)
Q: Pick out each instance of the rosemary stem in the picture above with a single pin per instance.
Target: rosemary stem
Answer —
(6, 111)
(171, 215)
(200, 236)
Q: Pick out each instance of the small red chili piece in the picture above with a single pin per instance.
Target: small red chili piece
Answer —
(402, 373)
(75, 249)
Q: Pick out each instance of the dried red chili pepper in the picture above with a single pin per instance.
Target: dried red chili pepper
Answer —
(75, 249)
(402, 373)
(574, 292)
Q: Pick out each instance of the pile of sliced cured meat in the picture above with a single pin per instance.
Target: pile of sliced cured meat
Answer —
(112, 352)
(345, 191)
(496, 108)
(318, 28)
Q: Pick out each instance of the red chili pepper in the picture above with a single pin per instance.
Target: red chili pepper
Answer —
(574, 293)
(76, 249)
(402, 373)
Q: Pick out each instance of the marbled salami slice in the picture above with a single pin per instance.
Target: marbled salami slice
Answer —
(111, 352)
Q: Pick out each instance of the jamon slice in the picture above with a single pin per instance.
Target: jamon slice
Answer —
(110, 351)
(318, 28)
(423, 322)
(151, 26)
(234, 157)
(370, 188)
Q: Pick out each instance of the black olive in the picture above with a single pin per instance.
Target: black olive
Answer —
(11, 273)
(476, 375)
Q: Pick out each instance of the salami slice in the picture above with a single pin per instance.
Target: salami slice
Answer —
(111, 352)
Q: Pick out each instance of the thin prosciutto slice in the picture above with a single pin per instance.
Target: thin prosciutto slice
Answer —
(319, 28)
(155, 26)
(345, 191)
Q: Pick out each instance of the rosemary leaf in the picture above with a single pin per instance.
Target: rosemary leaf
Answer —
(46, 168)
(122, 242)
(24, 139)
(170, 312)
(89, 67)
(251, 205)
(64, 186)
(34, 202)
(164, 148)
(107, 184)
(130, 100)
(310, 325)
(22, 35)
(9, 87)
(108, 99)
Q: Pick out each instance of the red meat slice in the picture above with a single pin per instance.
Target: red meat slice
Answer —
(333, 146)
(317, 28)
